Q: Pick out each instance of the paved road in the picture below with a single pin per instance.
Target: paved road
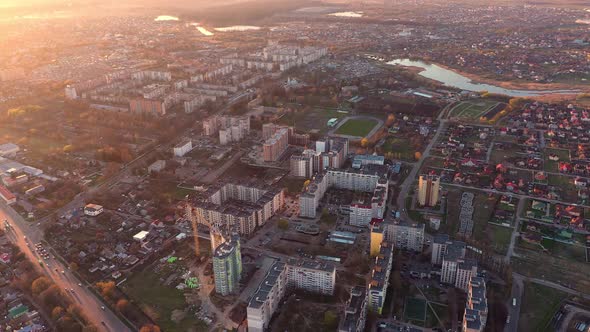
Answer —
(407, 184)
(514, 311)
(515, 232)
(81, 295)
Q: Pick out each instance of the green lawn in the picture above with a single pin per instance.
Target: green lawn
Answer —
(146, 290)
(313, 120)
(501, 238)
(415, 309)
(357, 127)
(539, 304)
(552, 166)
(568, 251)
(400, 147)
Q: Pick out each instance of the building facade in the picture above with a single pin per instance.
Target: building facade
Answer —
(428, 190)
(317, 277)
(227, 266)
(379, 280)
(355, 314)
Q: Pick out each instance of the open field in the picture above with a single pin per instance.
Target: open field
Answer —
(472, 110)
(500, 238)
(538, 306)
(312, 121)
(356, 127)
(415, 310)
(159, 301)
(400, 147)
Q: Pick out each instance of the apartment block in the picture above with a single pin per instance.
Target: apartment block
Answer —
(370, 178)
(476, 308)
(301, 166)
(404, 235)
(379, 279)
(274, 147)
(241, 205)
(311, 276)
(182, 148)
(355, 313)
(428, 190)
(227, 266)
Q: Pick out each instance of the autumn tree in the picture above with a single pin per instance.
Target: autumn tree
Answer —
(417, 155)
(390, 120)
(122, 305)
(283, 224)
(106, 288)
(57, 312)
(364, 142)
(39, 285)
(150, 328)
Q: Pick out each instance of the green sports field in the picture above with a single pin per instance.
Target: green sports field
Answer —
(357, 127)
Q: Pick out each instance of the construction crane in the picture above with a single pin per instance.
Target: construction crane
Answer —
(197, 218)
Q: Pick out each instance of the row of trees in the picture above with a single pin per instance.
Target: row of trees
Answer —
(67, 316)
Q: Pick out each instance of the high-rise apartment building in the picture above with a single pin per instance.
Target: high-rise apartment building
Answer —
(227, 266)
(428, 190)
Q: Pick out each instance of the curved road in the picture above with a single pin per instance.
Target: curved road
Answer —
(81, 295)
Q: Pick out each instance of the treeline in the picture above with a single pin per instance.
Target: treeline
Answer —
(68, 317)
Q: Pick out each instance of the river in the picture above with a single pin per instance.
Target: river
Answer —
(237, 28)
(450, 78)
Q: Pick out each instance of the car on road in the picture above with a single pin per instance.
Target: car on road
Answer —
(102, 307)
(63, 272)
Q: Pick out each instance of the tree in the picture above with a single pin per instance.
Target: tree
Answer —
(68, 148)
(122, 305)
(106, 288)
(364, 142)
(39, 285)
(330, 320)
(150, 328)
(283, 224)
(417, 155)
(57, 312)
(390, 120)
(306, 183)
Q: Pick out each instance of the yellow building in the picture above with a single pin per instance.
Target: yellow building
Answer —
(428, 190)
(376, 239)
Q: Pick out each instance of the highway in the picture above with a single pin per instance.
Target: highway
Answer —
(104, 320)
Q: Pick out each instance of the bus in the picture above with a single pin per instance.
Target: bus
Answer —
(514, 302)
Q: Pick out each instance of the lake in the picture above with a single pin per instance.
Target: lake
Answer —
(450, 78)
(166, 18)
(347, 14)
